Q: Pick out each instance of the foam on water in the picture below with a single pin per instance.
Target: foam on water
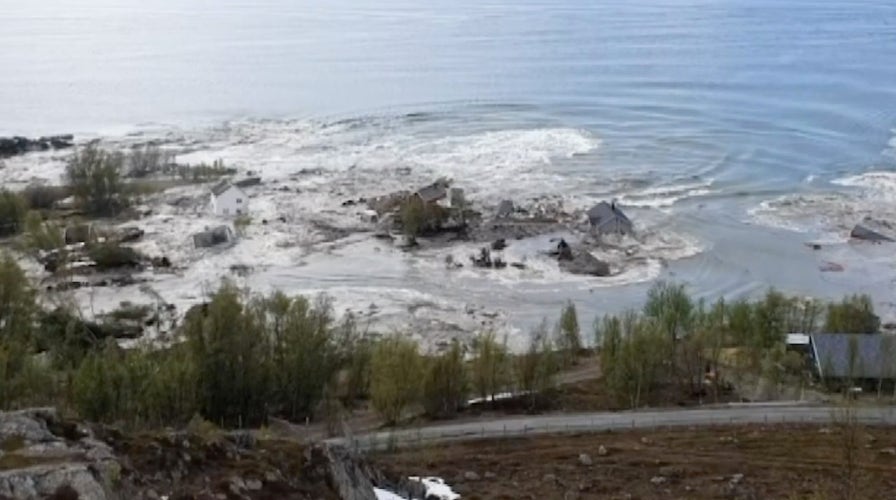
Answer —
(666, 195)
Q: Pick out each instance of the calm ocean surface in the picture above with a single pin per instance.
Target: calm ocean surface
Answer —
(739, 101)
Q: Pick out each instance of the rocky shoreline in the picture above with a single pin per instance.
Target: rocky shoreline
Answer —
(14, 146)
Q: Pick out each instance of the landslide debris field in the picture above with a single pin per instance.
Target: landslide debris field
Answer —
(740, 462)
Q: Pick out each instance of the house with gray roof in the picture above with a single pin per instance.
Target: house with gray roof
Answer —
(228, 200)
(608, 218)
(857, 359)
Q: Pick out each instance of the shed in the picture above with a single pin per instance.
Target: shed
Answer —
(606, 218)
(229, 200)
(859, 358)
(219, 235)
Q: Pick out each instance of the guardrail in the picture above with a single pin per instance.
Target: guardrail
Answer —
(584, 423)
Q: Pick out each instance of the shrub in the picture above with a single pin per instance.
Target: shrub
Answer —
(12, 213)
(113, 256)
(40, 197)
(147, 160)
(94, 176)
(42, 236)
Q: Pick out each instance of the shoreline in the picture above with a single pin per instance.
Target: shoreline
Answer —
(714, 243)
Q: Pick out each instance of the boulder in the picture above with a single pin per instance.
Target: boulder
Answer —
(585, 459)
(862, 232)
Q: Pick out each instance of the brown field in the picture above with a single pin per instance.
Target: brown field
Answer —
(740, 462)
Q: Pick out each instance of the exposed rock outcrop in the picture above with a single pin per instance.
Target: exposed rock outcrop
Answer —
(43, 454)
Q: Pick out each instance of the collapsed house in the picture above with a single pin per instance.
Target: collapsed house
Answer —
(607, 218)
(220, 235)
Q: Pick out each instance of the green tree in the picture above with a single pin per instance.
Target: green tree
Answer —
(854, 314)
(445, 383)
(23, 378)
(634, 357)
(17, 301)
(489, 366)
(231, 352)
(535, 369)
(12, 213)
(569, 338)
(304, 359)
(396, 372)
(94, 176)
(672, 309)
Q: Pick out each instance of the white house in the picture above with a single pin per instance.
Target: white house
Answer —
(229, 200)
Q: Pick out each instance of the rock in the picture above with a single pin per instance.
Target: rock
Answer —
(646, 440)
(237, 485)
(28, 425)
(658, 480)
(602, 451)
(490, 475)
(340, 469)
(888, 451)
(72, 462)
(253, 484)
(13, 146)
(862, 232)
(549, 478)
(585, 459)
(499, 244)
(737, 478)
(151, 494)
(42, 481)
(471, 476)
(586, 264)
(518, 265)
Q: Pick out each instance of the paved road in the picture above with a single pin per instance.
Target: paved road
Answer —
(590, 422)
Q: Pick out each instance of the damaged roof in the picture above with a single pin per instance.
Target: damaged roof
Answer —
(221, 187)
(609, 219)
(432, 193)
